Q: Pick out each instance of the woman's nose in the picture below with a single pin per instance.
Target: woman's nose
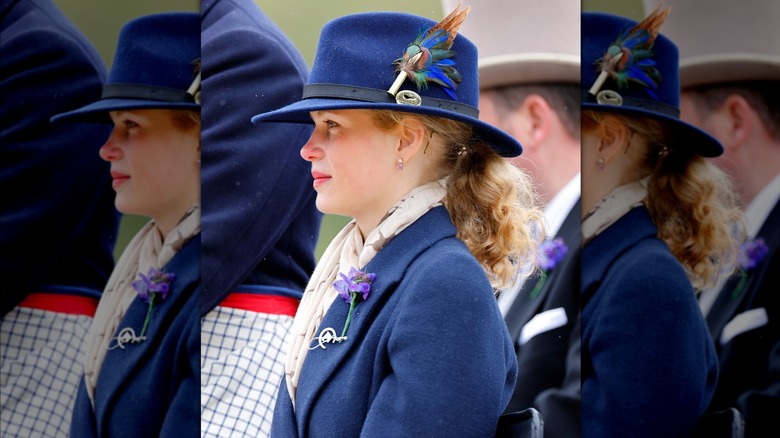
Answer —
(310, 151)
(109, 151)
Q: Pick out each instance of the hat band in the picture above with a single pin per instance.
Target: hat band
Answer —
(637, 103)
(381, 96)
(146, 92)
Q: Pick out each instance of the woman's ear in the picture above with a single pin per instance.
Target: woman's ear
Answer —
(412, 136)
(614, 136)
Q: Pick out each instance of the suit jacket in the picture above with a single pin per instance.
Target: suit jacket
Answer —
(648, 364)
(57, 219)
(260, 222)
(559, 405)
(541, 360)
(427, 353)
(152, 388)
(750, 361)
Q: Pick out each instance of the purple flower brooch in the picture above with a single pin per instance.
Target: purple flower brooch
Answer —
(751, 254)
(154, 284)
(551, 252)
(352, 288)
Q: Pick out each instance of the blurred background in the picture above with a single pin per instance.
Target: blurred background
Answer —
(301, 20)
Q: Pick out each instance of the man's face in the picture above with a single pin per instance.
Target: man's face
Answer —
(715, 123)
(490, 112)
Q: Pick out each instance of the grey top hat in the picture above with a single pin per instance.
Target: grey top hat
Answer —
(724, 40)
(524, 41)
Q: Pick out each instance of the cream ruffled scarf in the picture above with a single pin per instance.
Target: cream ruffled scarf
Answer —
(348, 250)
(615, 205)
(147, 249)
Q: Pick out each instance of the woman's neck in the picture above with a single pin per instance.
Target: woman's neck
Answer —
(169, 220)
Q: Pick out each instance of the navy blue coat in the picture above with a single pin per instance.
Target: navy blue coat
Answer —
(750, 362)
(57, 218)
(428, 354)
(152, 389)
(260, 222)
(648, 364)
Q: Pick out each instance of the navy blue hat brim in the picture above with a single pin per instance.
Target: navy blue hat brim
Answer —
(97, 112)
(298, 112)
(683, 134)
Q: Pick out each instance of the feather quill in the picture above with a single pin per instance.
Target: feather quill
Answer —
(428, 57)
(630, 57)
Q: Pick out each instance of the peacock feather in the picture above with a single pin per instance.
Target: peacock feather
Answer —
(429, 57)
(630, 57)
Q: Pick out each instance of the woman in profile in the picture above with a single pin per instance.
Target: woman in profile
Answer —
(142, 365)
(658, 224)
(398, 332)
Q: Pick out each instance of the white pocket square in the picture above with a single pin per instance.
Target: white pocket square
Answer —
(543, 322)
(745, 321)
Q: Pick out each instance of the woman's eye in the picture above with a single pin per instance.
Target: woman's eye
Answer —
(331, 124)
(130, 124)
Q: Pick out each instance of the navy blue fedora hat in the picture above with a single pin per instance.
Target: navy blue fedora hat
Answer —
(354, 69)
(654, 95)
(154, 67)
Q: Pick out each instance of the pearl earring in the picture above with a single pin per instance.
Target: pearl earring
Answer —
(601, 163)
(399, 164)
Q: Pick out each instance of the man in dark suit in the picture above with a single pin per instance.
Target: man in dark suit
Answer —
(730, 77)
(529, 72)
(260, 222)
(58, 223)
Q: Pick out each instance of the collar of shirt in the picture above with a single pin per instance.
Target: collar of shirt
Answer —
(556, 211)
(760, 207)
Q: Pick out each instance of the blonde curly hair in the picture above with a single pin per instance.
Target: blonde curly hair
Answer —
(493, 204)
(691, 201)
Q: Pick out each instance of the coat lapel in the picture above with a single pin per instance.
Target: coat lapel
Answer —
(389, 266)
(524, 307)
(725, 307)
(121, 365)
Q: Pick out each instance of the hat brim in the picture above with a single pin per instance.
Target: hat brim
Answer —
(298, 112)
(728, 67)
(97, 112)
(683, 134)
(528, 68)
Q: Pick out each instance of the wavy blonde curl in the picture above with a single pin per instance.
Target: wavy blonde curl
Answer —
(492, 203)
(691, 201)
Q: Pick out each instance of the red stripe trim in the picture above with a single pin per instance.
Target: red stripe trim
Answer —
(273, 304)
(61, 303)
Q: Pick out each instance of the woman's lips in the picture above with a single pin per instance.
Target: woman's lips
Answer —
(118, 178)
(319, 179)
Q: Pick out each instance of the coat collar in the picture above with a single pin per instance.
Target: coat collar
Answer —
(605, 248)
(120, 366)
(389, 265)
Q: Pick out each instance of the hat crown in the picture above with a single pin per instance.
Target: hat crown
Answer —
(158, 50)
(359, 50)
(599, 33)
